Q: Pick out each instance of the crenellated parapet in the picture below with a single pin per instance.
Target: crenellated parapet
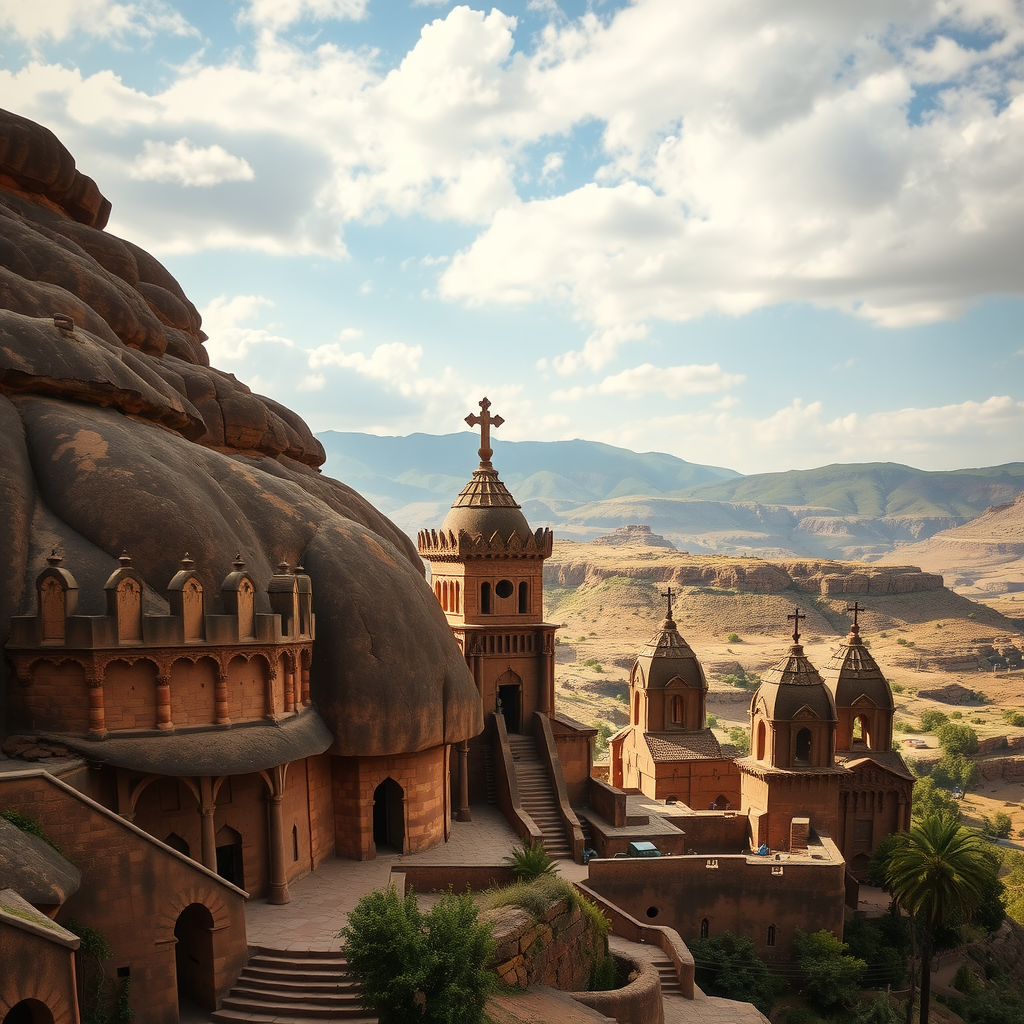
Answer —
(198, 666)
(448, 546)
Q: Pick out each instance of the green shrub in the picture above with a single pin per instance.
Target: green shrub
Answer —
(954, 770)
(801, 1015)
(732, 638)
(1014, 718)
(740, 737)
(957, 739)
(93, 952)
(537, 895)
(594, 664)
(896, 687)
(604, 731)
(882, 944)
(930, 799)
(880, 1010)
(932, 719)
(530, 861)
(831, 976)
(712, 721)
(430, 968)
(966, 981)
(29, 824)
(728, 966)
(1000, 825)
(605, 975)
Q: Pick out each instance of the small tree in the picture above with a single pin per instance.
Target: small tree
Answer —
(954, 770)
(425, 968)
(831, 976)
(728, 966)
(932, 719)
(955, 738)
(740, 738)
(931, 801)
(530, 861)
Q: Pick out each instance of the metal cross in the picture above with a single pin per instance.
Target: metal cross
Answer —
(856, 609)
(486, 421)
(668, 614)
(796, 617)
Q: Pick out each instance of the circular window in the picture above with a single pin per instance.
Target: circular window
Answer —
(652, 911)
(503, 588)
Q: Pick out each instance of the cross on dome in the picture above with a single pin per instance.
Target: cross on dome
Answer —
(485, 421)
(796, 617)
(856, 609)
(668, 614)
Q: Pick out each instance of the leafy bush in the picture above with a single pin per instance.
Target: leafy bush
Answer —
(93, 952)
(604, 731)
(728, 966)
(958, 739)
(1000, 825)
(1014, 718)
(712, 721)
(966, 981)
(605, 975)
(740, 738)
(593, 663)
(930, 799)
(536, 897)
(530, 861)
(882, 944)
(932, 719)
(429, 968)
(732, 638)
(831, 976)
(880, 1010)
(896, 687)
(954, 770)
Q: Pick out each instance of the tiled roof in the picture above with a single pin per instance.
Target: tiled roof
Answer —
(890, 760)
(683, 746)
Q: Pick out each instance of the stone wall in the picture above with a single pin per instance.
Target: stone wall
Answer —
(556, 949)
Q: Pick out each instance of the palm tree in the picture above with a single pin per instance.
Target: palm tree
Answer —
(937, 872)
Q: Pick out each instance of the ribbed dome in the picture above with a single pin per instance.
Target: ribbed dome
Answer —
(667, 656)
(852, 672)
(485, 507)
(791, 684)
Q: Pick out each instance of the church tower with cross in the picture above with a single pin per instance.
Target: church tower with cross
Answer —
(790, 780)
(667, 752)
(487, 567)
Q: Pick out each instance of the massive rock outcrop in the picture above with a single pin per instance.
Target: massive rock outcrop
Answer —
(116, 434)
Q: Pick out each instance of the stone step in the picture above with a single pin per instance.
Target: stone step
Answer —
(283, 995)
(669, 978)
(308, 1011)
(299, 962)
(227, 1016)
(295, 983)
(281, 976)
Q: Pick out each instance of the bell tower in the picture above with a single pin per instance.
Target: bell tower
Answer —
(487, 568)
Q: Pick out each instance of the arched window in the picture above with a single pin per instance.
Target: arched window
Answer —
(677, 710)
(762, 735)
(770, 939)
(705, 927)
(636, 709)
(861, 734)
(524, 598)
(437, 590)
(803, 747)
(458, 597)
(485, 599)
(295, 842)
(444, 595)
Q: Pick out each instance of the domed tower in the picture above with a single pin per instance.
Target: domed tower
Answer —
(790, 777)
(487, 568)
(876, 790)
(667, 751)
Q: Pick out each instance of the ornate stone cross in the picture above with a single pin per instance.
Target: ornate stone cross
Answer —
(856, 609)
(668, 614)
(796, 617)
(486, 421)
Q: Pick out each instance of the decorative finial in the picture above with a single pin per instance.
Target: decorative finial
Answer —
(856, 609)
(283, 569)
(486, 421)
(668, 613)
(796, 617)
(53, 559)
(300, 570)
(187, 563)
(125, 559)
(239, 563)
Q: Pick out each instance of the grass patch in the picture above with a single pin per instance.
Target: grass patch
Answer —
(536, 897)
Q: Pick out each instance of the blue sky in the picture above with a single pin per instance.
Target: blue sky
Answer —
(759, 235)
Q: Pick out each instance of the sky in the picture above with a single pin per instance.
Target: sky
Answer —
(762, 234)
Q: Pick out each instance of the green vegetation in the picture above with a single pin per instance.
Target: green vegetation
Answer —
(954, 770)
(939, 873)
(29, 824)
(930, 800)
(530, 861)
(896, 687)
(932, 719)
(905, 643)
(742, 679)
(604, 730)
(1013, 884)
(740, 738)
(957, 739)
(537, 895)
(712, 721)
(999, 826)
(1014, 718)
(732, 638)
(728, 966)
(96, 1004)
(831, 976)
(594, 664)
(424, 967)
(883, 944)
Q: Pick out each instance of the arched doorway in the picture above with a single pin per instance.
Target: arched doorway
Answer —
(229, 856)
(803, 747)
(389, 815)
(510, 695)
(29, 1011)
(193, 956)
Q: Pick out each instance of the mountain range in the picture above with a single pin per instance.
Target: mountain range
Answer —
(583, 489)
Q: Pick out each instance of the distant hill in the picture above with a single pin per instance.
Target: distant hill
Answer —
(875, 490)
(583, 489)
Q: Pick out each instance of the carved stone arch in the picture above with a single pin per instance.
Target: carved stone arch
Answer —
(204, 893)
(677, 682)
(805, 714)
(137, 790)
(864, 701)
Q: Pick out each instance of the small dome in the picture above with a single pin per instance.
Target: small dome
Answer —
(485, 507)
(851, 673)
(791, 684)
(667, 656)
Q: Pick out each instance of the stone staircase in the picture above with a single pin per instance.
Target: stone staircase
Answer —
(280, 986)
(492, 786)
(669, 978)
(538, 795)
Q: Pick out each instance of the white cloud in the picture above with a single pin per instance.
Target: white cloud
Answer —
(669, 381)
(278, 14)
(312, 382)
(187, 164)
(349, 334)
(228, 340)
(394, 363)
(56, 20)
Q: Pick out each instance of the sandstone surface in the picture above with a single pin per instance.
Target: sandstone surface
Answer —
(118, 435)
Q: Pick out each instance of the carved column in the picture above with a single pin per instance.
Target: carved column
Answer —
(163, 702)
(463, 812)
(304, 677)
(289, 684)
(97, 713)
(220, 697)
(207, 809)
(278, 881)
(271, 712)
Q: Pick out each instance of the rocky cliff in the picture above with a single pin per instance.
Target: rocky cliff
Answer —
(118, 435)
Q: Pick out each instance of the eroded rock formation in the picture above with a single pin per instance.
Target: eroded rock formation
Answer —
(118, 435)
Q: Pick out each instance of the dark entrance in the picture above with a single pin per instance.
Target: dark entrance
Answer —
(389, 815)
(29, 1011)
(193, 956)
(229, 856)
(510, 696)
